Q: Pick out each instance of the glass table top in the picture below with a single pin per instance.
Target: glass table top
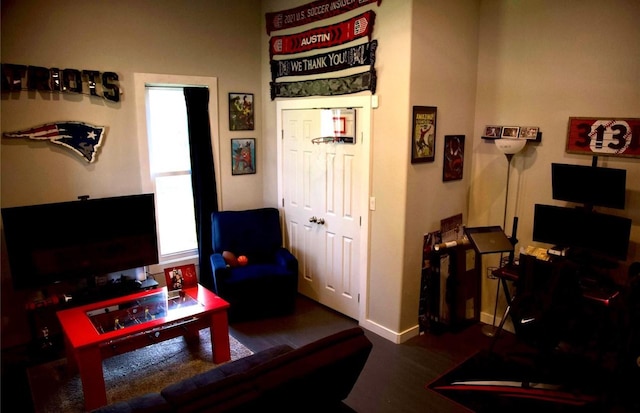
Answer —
(140, 310)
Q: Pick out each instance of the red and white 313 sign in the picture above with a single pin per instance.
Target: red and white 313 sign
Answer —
(604, 136)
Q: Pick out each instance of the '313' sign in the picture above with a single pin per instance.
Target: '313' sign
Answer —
(604, 137)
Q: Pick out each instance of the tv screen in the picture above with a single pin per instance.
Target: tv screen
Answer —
(589, 185)
(584, 230)
(61, 241)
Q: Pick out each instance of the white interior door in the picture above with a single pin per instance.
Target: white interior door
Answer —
(321, 184)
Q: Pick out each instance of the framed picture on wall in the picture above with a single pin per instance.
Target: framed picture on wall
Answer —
(243, 156)
(594, 136)
(423, 137)
(241, 111)
(453, 157)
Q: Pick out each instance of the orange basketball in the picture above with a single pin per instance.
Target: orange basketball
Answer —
(243, 260)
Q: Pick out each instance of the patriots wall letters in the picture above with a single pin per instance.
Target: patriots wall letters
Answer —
(100, 84)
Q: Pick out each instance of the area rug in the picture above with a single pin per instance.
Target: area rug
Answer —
(142, 371)
(490, 383)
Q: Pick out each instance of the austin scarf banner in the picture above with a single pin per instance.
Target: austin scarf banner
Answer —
(312, 12)
(322, 37)
(326, 87)
(354, 56)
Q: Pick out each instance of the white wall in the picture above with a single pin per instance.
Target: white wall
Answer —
(540, 63)
(426, 55)
(444, 55)
(208, 38)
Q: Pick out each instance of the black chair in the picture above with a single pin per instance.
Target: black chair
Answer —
(267, 284)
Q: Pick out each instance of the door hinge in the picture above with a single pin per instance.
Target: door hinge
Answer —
(282, 134)
(282, 202)
(361, 221)
(358, 297)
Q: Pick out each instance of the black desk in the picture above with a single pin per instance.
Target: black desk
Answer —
(558, 293)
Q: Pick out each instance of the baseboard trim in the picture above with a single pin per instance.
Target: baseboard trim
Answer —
(488, 319)
(393, 336)
(401, 337)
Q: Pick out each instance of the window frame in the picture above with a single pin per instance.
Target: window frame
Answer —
(141, 82)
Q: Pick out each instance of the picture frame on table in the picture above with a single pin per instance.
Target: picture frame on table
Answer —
(241, 111)
(243, 156)
(181, 277)
(510, 132)
(453, 158)
(423, 135)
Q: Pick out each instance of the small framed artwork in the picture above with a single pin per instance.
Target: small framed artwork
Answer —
(180, 277)
(241, 111)
(492, 132)
(243, 156)
(423, 137)
(453, 157)
(529, 133)
(510, 132)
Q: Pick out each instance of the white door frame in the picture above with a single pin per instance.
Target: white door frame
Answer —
(363, 136)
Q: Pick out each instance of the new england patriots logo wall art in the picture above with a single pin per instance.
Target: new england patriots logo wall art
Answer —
(82, 138)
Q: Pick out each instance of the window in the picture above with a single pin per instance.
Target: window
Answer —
(170, 170)
(165, 163)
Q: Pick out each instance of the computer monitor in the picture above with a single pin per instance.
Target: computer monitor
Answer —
(582, 230)
(589, 185)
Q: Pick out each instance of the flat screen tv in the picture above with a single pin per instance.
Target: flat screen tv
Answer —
(50, 243)
(583, 230)
(589, 185)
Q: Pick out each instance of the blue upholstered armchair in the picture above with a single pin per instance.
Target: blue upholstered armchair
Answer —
(267, 284)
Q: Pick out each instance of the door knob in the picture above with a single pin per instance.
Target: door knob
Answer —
(313, 219)
(320, 221)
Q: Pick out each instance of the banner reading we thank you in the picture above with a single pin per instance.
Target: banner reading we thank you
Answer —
(322, 37)
(354, 56)
(312, 12)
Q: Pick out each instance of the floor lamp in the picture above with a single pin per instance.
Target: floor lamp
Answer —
(508, 147)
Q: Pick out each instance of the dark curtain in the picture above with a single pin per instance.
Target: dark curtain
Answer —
(202, 175)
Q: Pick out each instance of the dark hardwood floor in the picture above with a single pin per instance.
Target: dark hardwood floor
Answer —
(393, 379)
(395, 375)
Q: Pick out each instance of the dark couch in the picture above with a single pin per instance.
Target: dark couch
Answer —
(316, 377)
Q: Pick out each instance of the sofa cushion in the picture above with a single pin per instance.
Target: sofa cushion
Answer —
(220, 388)
(328, 368)
(148, 403)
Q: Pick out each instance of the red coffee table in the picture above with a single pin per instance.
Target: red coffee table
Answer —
(94, 332)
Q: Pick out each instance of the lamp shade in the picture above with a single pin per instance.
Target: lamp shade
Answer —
(510, 146)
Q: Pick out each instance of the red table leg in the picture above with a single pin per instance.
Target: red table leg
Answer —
(220, 337)
(90, 366)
